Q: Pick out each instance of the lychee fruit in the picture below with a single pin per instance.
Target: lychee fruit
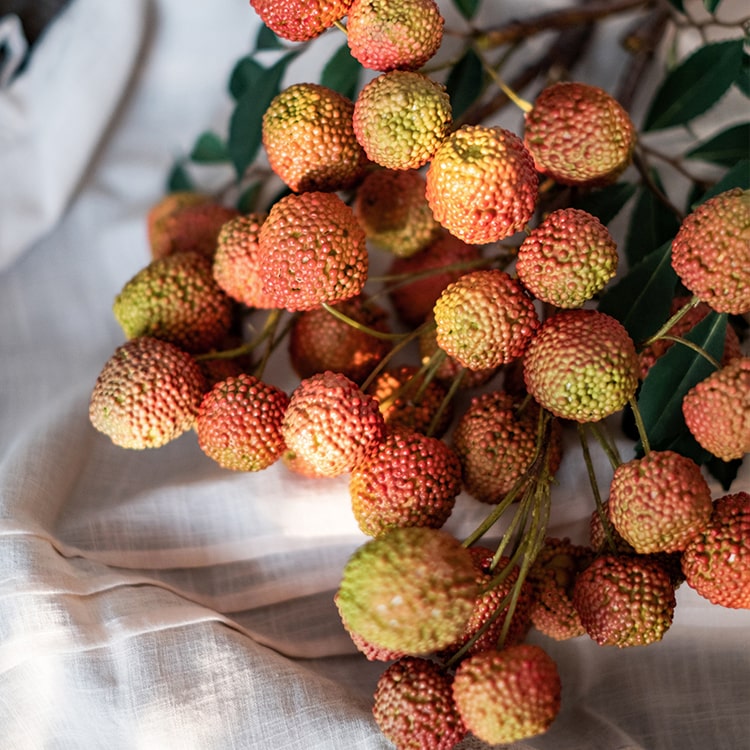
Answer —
(717, 410)
(147, 394)
(581, 365)
(482, 184)
(567, 259)
(711, 252)
(508, 695)
(311, 250)
(300, 20)
(411, 589)
(485, 319)
(239, 423)
(579, 134)
(309, 138)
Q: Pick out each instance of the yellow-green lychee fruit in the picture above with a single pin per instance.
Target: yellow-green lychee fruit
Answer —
(300, 20)
(581, 365)
(711, 252)
(482, 184)
(411, 590)
(579, 134)
(309, 139)
(567, 258)
(401, 118)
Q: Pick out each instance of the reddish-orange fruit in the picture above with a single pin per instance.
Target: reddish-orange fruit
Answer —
(717, 410)
(300, 20)
(319, 341)
(408, 479)
(239, 423)
(659, 502)
(579, 134)
(509, 695)
(311, 250)
(331, 425)
(414, 706)
(624, 600)
(392, 208)
(309, 139)
(401, 118)
(236, 261)
(711, 252)
(482, 184)
(568, 258)
(394, 34)
(716, 562)
(176, 299)
(485, 319)
(147, 394)
(581, 365)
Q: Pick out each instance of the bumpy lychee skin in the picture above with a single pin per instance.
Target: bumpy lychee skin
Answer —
(659, 502)
(579, 134)
(624, 600)
(408, 479)
(414, 706)
(330, 424)
(387, 35)
(568, 258)
(716, 562)
(717, 410)
(175, 299)
(424, 275)
(485, 319)
(300, 20)
(239, 423)
(411, 589)
(392, 208)
(401, 118)
(711, 252)
(311, 250)
(509, 695)
(581, 365)
(482, 184)
(309, 139)
(236, 261)
(186, 222)
(147, 394)
(319, 341)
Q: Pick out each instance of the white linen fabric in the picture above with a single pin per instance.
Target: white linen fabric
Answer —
(151, 599)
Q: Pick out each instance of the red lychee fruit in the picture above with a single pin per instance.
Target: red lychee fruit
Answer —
(300, 20)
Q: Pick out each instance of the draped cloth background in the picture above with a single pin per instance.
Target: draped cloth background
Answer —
(150, 599)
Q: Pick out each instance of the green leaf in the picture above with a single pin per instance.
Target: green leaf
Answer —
(209, 149)
(341, 73)
(724, 471)
(711, 5)
(673, 375)
(651, 225)
(641, 300)
(465, 82)
(266, 39)
(467, 8)
(249, 197)
(678, 4)
(742, 82)
(179, 179)
(725, 148)
(695, 85)
(737, 176)
(246, 75)
(607, 202)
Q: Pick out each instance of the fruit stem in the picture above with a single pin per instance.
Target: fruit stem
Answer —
(609, 447)
(239, 351)
(270, 328)
(363, 328)
(455, 385)
(695, 348)
(340, 26)
(522, 104)
(639, 424)
(694, 302)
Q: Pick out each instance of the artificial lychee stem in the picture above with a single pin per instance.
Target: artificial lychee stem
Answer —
(639, 424)
(694, 302)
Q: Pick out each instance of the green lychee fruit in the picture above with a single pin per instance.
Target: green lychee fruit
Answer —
(300, 20)
(147, 394)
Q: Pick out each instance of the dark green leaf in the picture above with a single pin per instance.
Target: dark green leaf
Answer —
(673, 375)
(607, 202)
(678, 4)
(249, 197)
(266, 39)
(465, 82)
(651, 225)
(467, 8)
(246, 75)
(737, 176)
(725, 148)
(209, 149)
(711, 5)
(724, 471)
(742, 82)
(341, 73)
(178, 179)
(695, 85)
(642, 298)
